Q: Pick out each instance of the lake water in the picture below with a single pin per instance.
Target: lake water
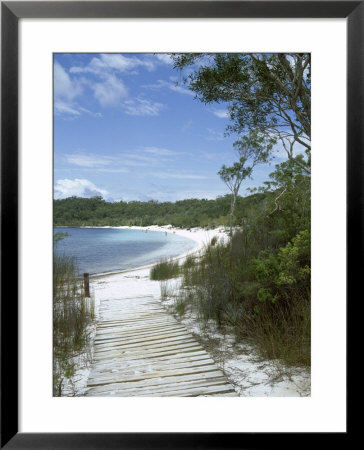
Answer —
(99, 250)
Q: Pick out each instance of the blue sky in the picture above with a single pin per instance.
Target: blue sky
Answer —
(124, 130)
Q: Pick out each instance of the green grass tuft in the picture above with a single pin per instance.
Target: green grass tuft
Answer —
(72, 314)
(165, 270)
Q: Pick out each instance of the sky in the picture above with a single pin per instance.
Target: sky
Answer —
(125, 128)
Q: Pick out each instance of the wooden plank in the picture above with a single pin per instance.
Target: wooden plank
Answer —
(106, 376)
(168, 389)
(158, 382)
(203, 391)
(120, 337)
(134, 376)
(146, 329)
(123, 364)
(144, 353)
(144, 342)
(108, 365)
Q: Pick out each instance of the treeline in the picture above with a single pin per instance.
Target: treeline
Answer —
(76, 211)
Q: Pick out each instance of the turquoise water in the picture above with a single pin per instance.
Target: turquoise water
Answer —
(99, 250)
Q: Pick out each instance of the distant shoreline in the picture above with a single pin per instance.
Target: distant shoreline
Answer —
(201, 236)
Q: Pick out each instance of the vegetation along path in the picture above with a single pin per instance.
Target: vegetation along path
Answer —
(141, 350)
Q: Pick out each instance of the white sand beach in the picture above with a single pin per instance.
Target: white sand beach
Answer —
(250, 375)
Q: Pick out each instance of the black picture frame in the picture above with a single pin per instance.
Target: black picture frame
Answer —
(11, 12)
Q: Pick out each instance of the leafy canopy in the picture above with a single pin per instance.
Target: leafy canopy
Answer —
(267, 95)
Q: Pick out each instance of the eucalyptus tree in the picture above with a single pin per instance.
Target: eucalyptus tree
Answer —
(252, 149)
(267, 93)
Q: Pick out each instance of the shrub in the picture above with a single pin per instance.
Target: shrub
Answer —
(72, 314)
(164, 270)
(264, 294)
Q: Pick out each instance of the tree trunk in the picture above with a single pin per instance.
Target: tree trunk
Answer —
(233, 200)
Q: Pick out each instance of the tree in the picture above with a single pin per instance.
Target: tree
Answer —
(233, 177)
(267, 93)
(252, 150)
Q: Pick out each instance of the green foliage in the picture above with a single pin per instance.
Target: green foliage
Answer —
(233, 177)
(264, 295)
(72, 314)
(266, 298)
(268, 96)
(294, 260)
(237, 172)
(260, 283)
(180, 306)
(59, 236)
(266, 266)
(164, 270)
(213, 241)
(75, 211)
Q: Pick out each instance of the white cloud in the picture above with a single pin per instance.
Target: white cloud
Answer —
(88, 160)
(77, 187)
(164, 58)
(159, 151)
(137, 159)
(61, 107)
(108, 88)
(180, 176)
(65, 87)
(118, 163)
(94, 114)
(160, 84)
(110, 92)
(65, 90)
(111, 164)
(102, 164)
(123, 63)
(72, 109)
(180, 89)
(142, 107)
(109, 62)
(120, 170)
(221, 113)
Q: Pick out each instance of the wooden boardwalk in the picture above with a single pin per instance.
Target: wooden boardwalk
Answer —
(141, 350)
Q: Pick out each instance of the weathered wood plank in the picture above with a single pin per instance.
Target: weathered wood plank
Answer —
(170, 389)
(202, 391)
(119, 337)
(145, 329)
(160, 382)
(114, 365)
(175, 348)
(150, 343)
(113, 376)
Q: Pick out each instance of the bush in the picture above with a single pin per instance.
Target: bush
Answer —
(164, 270)
(72, 314)
(263, 294)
